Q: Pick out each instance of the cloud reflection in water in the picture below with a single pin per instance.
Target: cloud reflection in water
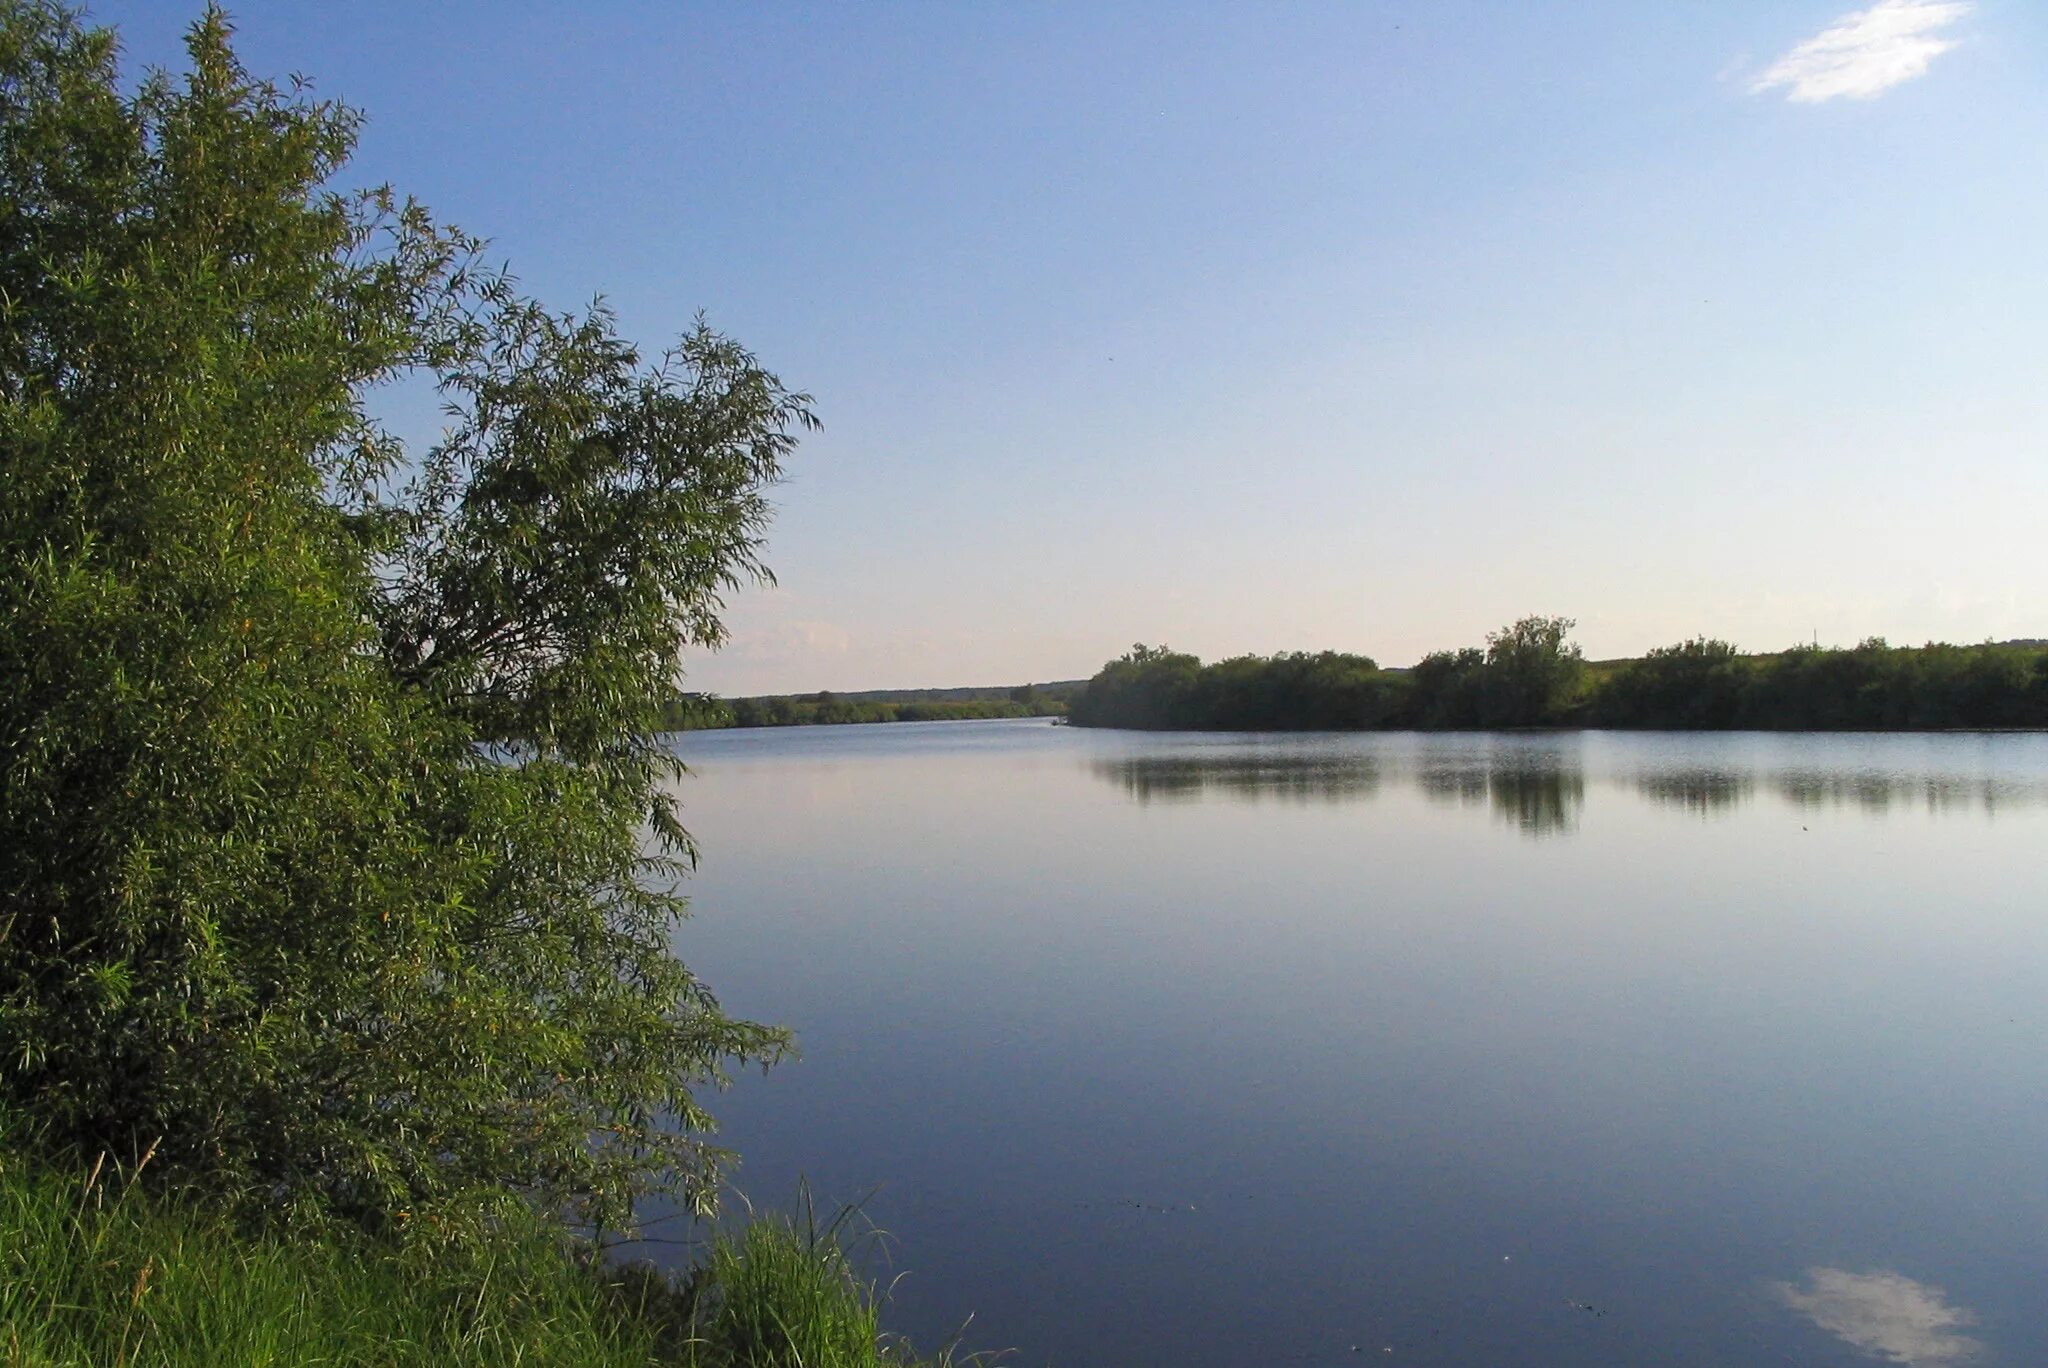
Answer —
(1886, 1315)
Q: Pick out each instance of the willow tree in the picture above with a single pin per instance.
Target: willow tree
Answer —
(338, 855)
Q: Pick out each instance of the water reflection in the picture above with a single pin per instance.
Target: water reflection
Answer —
(1537, 784)
(1537, 791)
(1250, 777)
(1645, 1056)
(1886, 1315)
(1703, 792)
(1537, 788)
(1877, 792)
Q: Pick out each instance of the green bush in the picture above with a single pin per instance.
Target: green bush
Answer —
(338, 851)
(1530, 674)
(1696, 684)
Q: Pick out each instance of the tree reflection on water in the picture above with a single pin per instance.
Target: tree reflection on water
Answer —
(1535, 783)
(1252, 777)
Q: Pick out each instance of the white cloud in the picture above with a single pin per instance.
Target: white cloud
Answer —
(1887, 1315)
(1866, 53)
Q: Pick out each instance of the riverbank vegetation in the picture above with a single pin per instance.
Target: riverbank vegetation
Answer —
(339, 849)
(897, 705)
(1530, 674)
(97, 1269)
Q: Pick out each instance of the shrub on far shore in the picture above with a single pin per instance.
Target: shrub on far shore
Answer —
(1530, 674)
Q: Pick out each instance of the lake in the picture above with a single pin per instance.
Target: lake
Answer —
(1205, 1051)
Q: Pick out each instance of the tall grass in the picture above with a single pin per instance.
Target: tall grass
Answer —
(787, 1292)
(97, 1272)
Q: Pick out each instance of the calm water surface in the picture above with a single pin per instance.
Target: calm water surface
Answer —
(1206, 1051)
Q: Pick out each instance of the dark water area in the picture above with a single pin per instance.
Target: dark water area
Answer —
(1577, 1049)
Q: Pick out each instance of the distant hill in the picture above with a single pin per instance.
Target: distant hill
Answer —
(972, 693)
(875, 705)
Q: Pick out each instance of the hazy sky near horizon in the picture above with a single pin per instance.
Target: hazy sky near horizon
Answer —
(1261, 327)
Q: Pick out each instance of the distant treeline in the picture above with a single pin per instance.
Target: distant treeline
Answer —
(890, 705)
(1530, 674)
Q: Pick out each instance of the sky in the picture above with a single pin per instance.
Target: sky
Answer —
(1367, 326)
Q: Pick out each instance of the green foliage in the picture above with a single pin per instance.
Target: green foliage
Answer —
(1296, 690)
(96, 1271)
(1147, 687)
(787, 1292)
(784, 711)
(1448, 689)
(339, 851)
(1530, 674)
(1698, 683)
(692, 712)
(1874, 687)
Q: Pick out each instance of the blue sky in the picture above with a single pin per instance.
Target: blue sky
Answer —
(1260, 327)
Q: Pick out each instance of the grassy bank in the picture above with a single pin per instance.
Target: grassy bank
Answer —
(96, 1271)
